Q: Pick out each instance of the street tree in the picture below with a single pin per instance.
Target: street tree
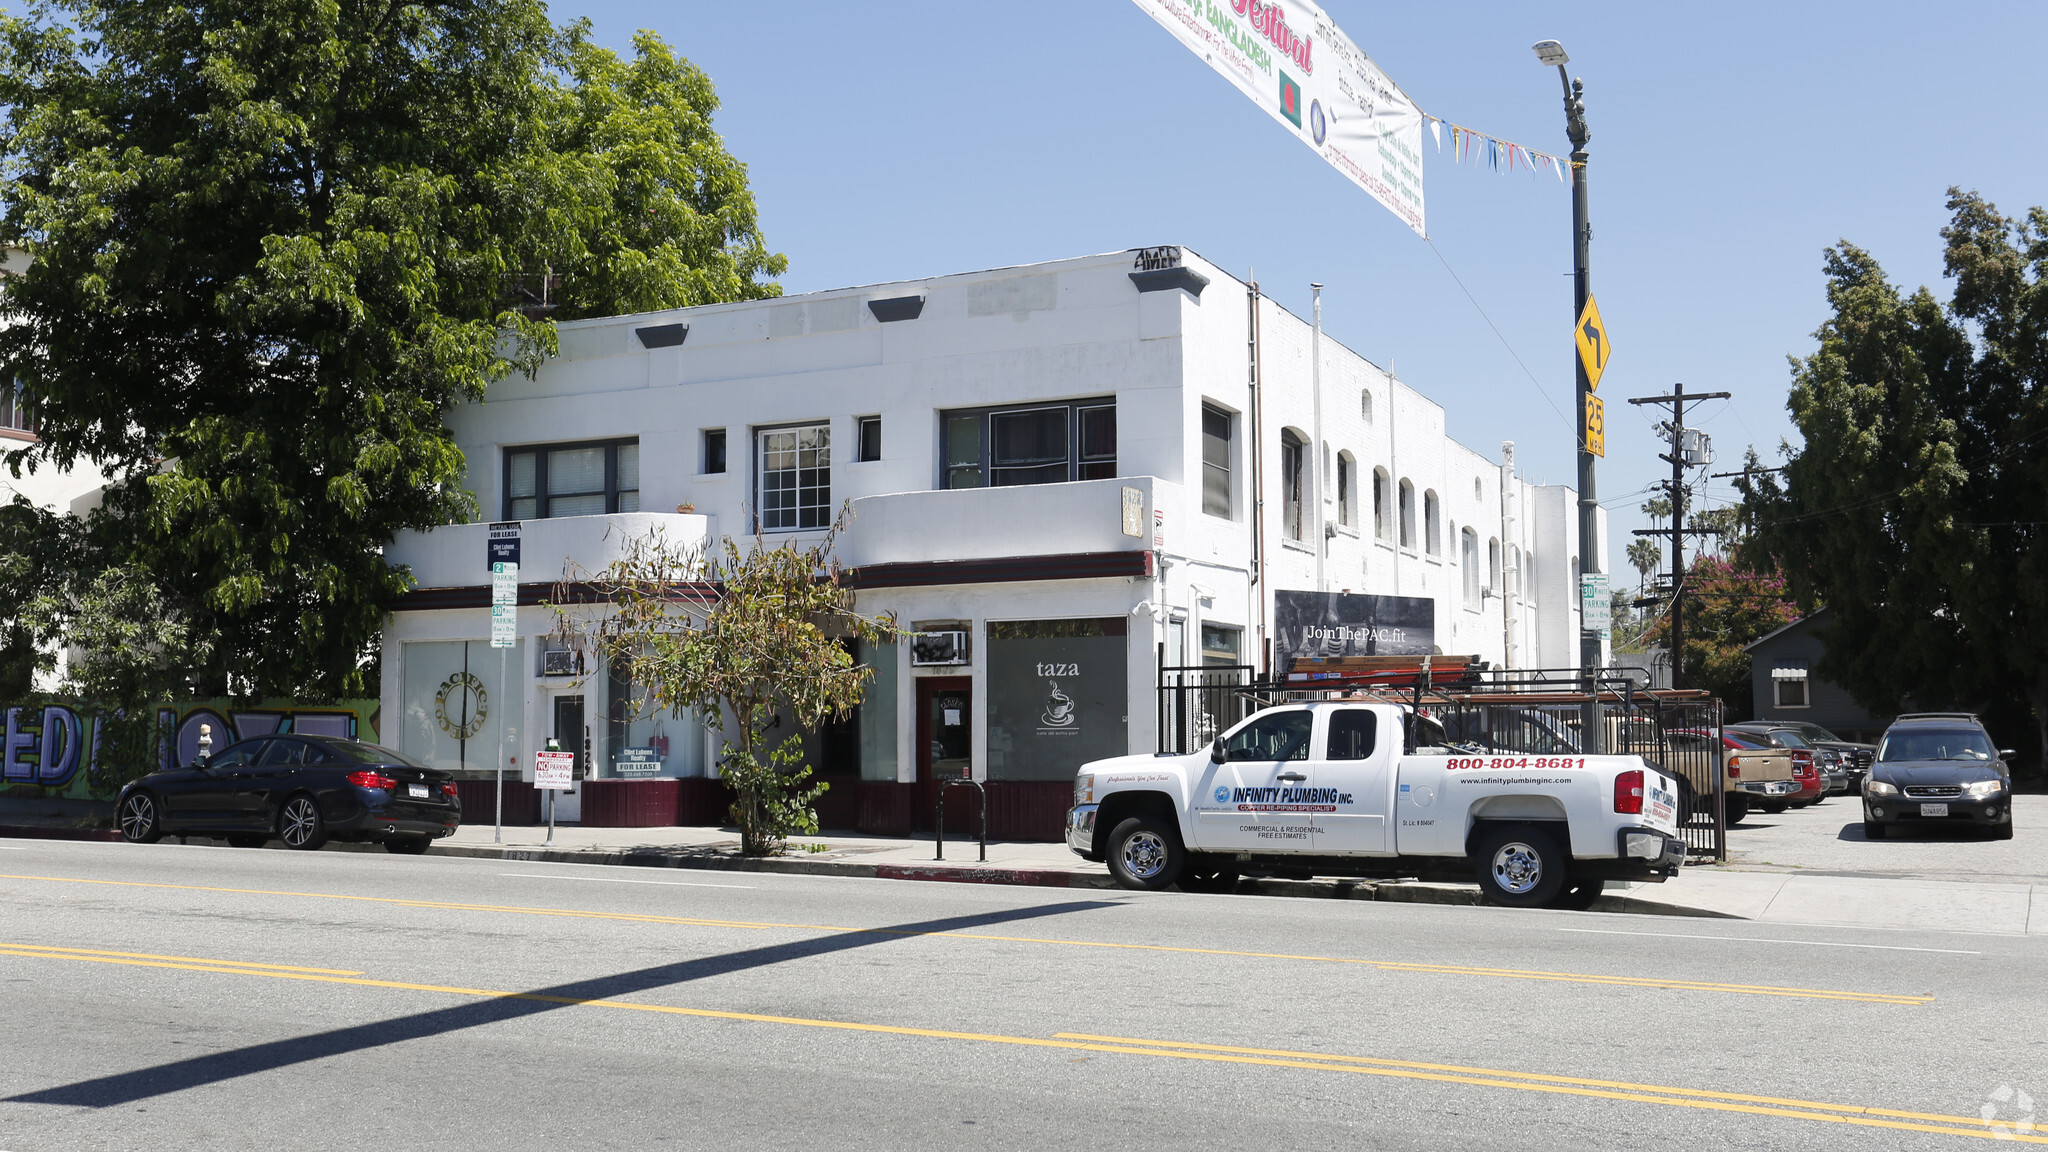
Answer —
(742, 635)
(1645, 557)
(1917, 506)
(1726, 608)
(273, 245)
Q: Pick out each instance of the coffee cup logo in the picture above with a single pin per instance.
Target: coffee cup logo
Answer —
(1059, 708)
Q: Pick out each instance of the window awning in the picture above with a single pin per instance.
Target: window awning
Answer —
(1788, 672)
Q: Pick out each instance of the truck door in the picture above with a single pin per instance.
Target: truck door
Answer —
(1244, 804)
(1350, 782)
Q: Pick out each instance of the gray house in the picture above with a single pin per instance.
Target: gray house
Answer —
(1785, 689)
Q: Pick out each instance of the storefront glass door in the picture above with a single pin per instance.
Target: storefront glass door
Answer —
(573, 735)
(945, 744)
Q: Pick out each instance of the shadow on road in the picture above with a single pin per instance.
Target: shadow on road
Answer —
(127, 1087)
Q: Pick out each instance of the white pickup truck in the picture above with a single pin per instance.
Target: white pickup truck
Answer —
(1342, 788)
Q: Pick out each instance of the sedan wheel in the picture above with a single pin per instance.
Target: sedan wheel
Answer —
(139, 824)
(300, 825)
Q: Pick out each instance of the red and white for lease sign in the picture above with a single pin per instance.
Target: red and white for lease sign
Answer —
(554, 770)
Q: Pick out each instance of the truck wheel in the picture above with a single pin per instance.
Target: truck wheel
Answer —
(1737, 807)
(1145, 854)
(1579, 895)
(1520, 866)
(1772, 809)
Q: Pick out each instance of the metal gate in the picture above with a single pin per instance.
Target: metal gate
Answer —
(1197, 702)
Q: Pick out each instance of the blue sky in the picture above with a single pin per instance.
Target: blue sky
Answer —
(1732, 142)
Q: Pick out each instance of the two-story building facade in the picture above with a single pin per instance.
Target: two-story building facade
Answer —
(1062, 476)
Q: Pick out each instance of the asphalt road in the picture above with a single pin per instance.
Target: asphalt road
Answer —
(187, 997)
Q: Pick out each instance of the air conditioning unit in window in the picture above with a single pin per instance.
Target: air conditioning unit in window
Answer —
(938, 648)
(561, 662)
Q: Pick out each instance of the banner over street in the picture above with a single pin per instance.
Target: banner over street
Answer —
(1293, 61)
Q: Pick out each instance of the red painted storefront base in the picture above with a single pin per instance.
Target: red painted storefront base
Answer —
(1017, 809)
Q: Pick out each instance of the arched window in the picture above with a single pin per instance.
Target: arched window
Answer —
(1407, 514)
(1514, 572)
(1347, 468)
(1478, 489)
(1468, 556)
(1382, 513)
(1493, 564)
(1292, 449)
(1432, 523)
(1365, 404)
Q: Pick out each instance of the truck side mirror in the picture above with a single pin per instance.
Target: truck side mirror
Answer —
(1216, 750)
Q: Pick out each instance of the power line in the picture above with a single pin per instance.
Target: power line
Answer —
(1497, 332)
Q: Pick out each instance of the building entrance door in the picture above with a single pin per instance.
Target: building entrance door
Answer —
(573, 735)
(945, 740)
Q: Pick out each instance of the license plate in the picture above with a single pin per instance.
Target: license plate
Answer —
(419, 792)
(1934, 809)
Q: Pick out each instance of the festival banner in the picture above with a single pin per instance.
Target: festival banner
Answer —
(1293, 61)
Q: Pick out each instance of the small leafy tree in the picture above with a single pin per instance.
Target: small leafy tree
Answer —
(739, 633)
(1726, 608)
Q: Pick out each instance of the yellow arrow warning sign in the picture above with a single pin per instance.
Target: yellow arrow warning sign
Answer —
(1591, 338)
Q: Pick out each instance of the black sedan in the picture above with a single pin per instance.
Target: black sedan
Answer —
(303, 790)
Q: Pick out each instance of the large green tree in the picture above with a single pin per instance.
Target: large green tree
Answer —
(274, 244)
(1917, 505)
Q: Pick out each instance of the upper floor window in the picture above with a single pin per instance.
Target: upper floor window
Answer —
(14, 410)
(1215, 461)
(1468, 560)
(870, 446)
(1291, 452)
(1407, 514)
(1345, 468)
(714, 451)
(1432, 525)
(1038, 444)
(587, 479)
(796, 477)
(1380, 525)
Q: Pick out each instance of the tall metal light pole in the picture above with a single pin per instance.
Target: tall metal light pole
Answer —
(1550, 52)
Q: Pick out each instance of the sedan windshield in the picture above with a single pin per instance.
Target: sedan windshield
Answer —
(1789, 738)
(1936, 744)
(1816, 732)
(363, 753)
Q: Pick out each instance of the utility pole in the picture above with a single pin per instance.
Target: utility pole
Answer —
(1681, 455)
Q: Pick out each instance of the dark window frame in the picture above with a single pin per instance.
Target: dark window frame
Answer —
(16, 414)
(1293, 500)
(714, 446)
(863, 451)
(1218, 496)
(1079, 462)
(541, 496)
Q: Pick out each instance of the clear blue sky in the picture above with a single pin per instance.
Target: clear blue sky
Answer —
(1731, 143)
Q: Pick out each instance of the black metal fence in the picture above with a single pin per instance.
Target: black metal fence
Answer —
(1537, 712)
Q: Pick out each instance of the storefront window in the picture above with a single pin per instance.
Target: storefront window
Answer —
(1058, 696)
(463, 708)
(639, 734)
(878, 713)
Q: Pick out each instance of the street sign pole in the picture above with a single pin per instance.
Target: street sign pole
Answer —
(1591, 431)
(501, 553)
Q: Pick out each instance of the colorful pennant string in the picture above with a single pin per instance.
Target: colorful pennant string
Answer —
(1495, 153)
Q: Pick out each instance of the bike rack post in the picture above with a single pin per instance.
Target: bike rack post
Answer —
(939, 820)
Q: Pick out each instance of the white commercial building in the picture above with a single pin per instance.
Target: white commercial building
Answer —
(1083, 469)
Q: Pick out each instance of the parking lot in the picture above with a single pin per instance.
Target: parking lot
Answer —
(1827, 838)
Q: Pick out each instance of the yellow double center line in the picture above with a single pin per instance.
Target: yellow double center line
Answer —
(1853, 1115)
(1625, 981)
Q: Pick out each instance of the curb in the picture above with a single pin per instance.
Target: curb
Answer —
(1391, 891)
(32, 832)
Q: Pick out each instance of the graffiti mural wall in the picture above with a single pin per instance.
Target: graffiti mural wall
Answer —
(54, 747)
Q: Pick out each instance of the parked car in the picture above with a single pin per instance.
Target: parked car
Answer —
(1753, 775)
(303, 790)
(1938, 768)
(1808, 768)
(1851, 759)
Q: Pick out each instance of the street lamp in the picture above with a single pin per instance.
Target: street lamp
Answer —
(1552, 53)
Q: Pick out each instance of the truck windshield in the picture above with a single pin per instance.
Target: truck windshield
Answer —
(1935, 744)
